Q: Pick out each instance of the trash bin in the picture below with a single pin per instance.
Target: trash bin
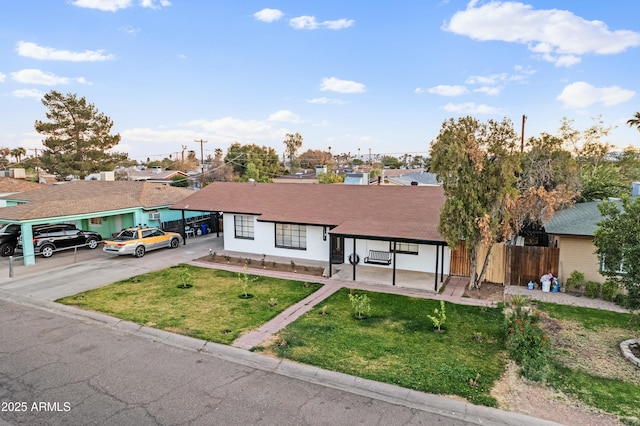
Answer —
(546, 286)
(204, 229)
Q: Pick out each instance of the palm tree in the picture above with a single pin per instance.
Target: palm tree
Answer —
(17, 153)
(635, 121)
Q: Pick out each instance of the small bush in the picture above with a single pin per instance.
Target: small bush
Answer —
(439, 316)
(575, 281)
(609, 290)
(592, 289)
(361, 304)
(621, 300)
(527, 344)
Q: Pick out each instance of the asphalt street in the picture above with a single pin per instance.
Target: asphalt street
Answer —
(63, 366)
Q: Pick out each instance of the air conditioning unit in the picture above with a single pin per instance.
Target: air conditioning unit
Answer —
(154, 216)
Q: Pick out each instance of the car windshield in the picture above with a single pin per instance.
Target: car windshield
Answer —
(10, 228)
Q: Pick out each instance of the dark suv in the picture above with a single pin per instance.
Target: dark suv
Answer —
(47, 239)
(9, 239)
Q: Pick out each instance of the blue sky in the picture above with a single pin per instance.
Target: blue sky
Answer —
(356, 76)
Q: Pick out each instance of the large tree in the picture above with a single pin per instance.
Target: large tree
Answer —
(253, 162)
(292, 144)
(618, 244)
(315, 157)
(476, 164)
(77, 137)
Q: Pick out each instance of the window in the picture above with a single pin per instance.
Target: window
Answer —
(291, 236)
(95, 221)
(406, 248)
(603, 268)
(243, 226)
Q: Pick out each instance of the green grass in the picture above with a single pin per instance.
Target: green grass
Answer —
(397, 344)
(612, 395)
(211, 310)
(590, 318)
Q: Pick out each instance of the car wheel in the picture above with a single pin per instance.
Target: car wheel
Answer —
(6, 249)
(47, 251)
(92, 243)
(139, 251)
(174, 243)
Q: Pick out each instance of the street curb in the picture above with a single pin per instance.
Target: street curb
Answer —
(436, 404)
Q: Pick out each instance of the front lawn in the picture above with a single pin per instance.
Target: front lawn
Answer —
(396, 343)
(211, 309)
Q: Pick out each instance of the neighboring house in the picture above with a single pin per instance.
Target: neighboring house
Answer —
(155, 175)
(572, 231)
(10, 186)
(105, 207)
(413, 178)
(331, 223)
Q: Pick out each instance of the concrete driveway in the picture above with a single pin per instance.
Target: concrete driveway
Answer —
(70, 272)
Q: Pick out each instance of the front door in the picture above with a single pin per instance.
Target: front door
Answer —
(337, 250)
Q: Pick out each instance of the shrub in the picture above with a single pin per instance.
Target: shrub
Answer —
(609, 290)
(439, 316)
(361, 304)
(575, 281)
(527, 344)
(621, 300)
(592, 289)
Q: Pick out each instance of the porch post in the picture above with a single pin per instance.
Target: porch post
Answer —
(393, 280)
(182, 231)
(437, 258)
(354, 258)
(330, 255)
(442, 265)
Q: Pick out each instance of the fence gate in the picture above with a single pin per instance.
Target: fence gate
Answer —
(460, 265)
(524, 264)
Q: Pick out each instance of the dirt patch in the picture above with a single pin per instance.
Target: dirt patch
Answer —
(488, 291)
(263, 264)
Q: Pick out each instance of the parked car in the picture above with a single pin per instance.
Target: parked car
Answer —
(49, 238)
(138, 241)
(9, 238)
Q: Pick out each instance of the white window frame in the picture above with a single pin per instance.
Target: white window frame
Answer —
(244, 227)
(291, 236)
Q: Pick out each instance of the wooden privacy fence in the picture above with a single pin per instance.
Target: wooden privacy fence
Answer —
(524, 264)
(508, 265)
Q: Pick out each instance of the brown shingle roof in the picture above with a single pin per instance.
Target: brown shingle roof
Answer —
(83, 197)
(17, 185)
(374, 211)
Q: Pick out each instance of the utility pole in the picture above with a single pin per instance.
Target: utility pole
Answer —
(37, 164)
(524, 118)
(202, 142)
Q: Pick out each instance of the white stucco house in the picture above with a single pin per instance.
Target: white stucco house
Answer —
(381, 226)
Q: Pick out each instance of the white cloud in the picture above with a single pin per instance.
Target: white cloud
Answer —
(487, 79)
(306, 22)
(491, 91)
(3, 77)
(268, 15)
(32, 50)
(169, 136)
(129, 29)
(470, 108)
(104, 5)
(115, 5)
(325, 100)
(556, 35)
(582, 95)
(182, 56)
(28, 93)
(34, 76)
(284, 116)
(444, 90)
(333, 84)
(231, 129)
(155, 4)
